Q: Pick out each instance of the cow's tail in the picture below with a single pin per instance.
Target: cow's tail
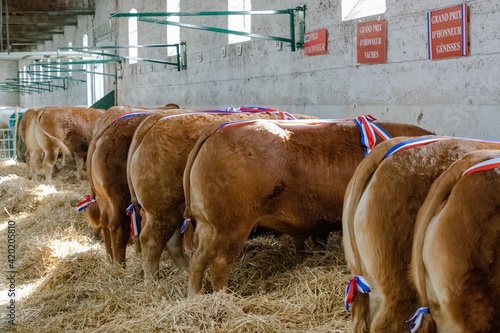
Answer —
(139, 134)
(21, 140)
(355, 189)
(439, 191)
(189, 221)
(94, 215)
(60, 144)
(93, 210)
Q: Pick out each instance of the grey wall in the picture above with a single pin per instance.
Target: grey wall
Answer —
(457, 96)
(8, 69)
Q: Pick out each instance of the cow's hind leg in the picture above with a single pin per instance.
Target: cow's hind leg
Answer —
(153, 239)
(205, 249)
(79, 166)
(174, 248)
(34, 159)
(104, 223)
(49, 161)
(229, 246)
(120, 233)
(393, 314)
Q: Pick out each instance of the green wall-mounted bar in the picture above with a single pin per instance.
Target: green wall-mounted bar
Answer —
(300, 10)
(95, 50)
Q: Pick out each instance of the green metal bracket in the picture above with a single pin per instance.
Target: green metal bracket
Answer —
(300, 10)
(95, 50)
(11, 85)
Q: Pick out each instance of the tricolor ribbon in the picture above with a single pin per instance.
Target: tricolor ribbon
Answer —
(135, 220)
(236, 123)
(368, 131)
(131, 115)
(85, 203)
(416, 319)
(254, 109)
(184, 224)
(483, 166)
(286, 116)
(411, 144)
(357, 283)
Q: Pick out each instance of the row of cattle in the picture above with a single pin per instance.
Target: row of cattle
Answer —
(224, 173)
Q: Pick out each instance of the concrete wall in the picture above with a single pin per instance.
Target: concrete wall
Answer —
(8, 69)
(457, 96)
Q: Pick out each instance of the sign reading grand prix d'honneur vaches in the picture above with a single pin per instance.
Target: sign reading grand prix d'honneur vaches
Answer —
(372, 42)
(315, 42)
(448, 32)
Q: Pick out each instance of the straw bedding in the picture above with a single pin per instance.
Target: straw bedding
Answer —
(65, 283)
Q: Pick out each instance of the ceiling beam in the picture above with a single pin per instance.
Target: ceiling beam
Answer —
(33, 22)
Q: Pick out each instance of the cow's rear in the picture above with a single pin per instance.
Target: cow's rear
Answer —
(381, 205)
(67, 129)
(288, 177)
(455, 262)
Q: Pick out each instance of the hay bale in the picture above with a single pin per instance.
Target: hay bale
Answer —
(67, 283)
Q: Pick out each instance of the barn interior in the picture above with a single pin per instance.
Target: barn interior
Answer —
(302, 57)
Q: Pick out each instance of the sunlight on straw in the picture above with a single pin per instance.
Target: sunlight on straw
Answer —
(60, 249)
(64, 248)
(7, 178)
(43, 190)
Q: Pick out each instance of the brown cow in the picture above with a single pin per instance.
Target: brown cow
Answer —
(381, 204)
(289, 177)
(455, 262)
(34, 152)
(64, 128)
(107, 174)
(156, 162)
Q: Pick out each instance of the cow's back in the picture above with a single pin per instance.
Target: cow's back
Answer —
(72, 126)
(283, 162)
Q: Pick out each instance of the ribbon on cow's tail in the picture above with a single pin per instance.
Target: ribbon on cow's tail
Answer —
(184, 224)
(187, 229)
(85, 203)
(135, 220)
(416, 319)
(357, 283)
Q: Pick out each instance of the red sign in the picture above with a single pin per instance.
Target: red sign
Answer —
(448, 31)
(315, 42)
(372, 42)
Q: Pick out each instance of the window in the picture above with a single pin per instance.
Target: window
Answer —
(95, 79)
(239, 22)
(132, 37)
(85, 40)
(70, 68)
(353, 9)
(58, 66)
(173, 32)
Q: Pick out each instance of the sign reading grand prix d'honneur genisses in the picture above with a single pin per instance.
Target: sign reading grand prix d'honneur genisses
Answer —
(372, 42)
(448, 32)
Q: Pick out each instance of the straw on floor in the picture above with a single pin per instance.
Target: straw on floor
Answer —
(65, 283)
